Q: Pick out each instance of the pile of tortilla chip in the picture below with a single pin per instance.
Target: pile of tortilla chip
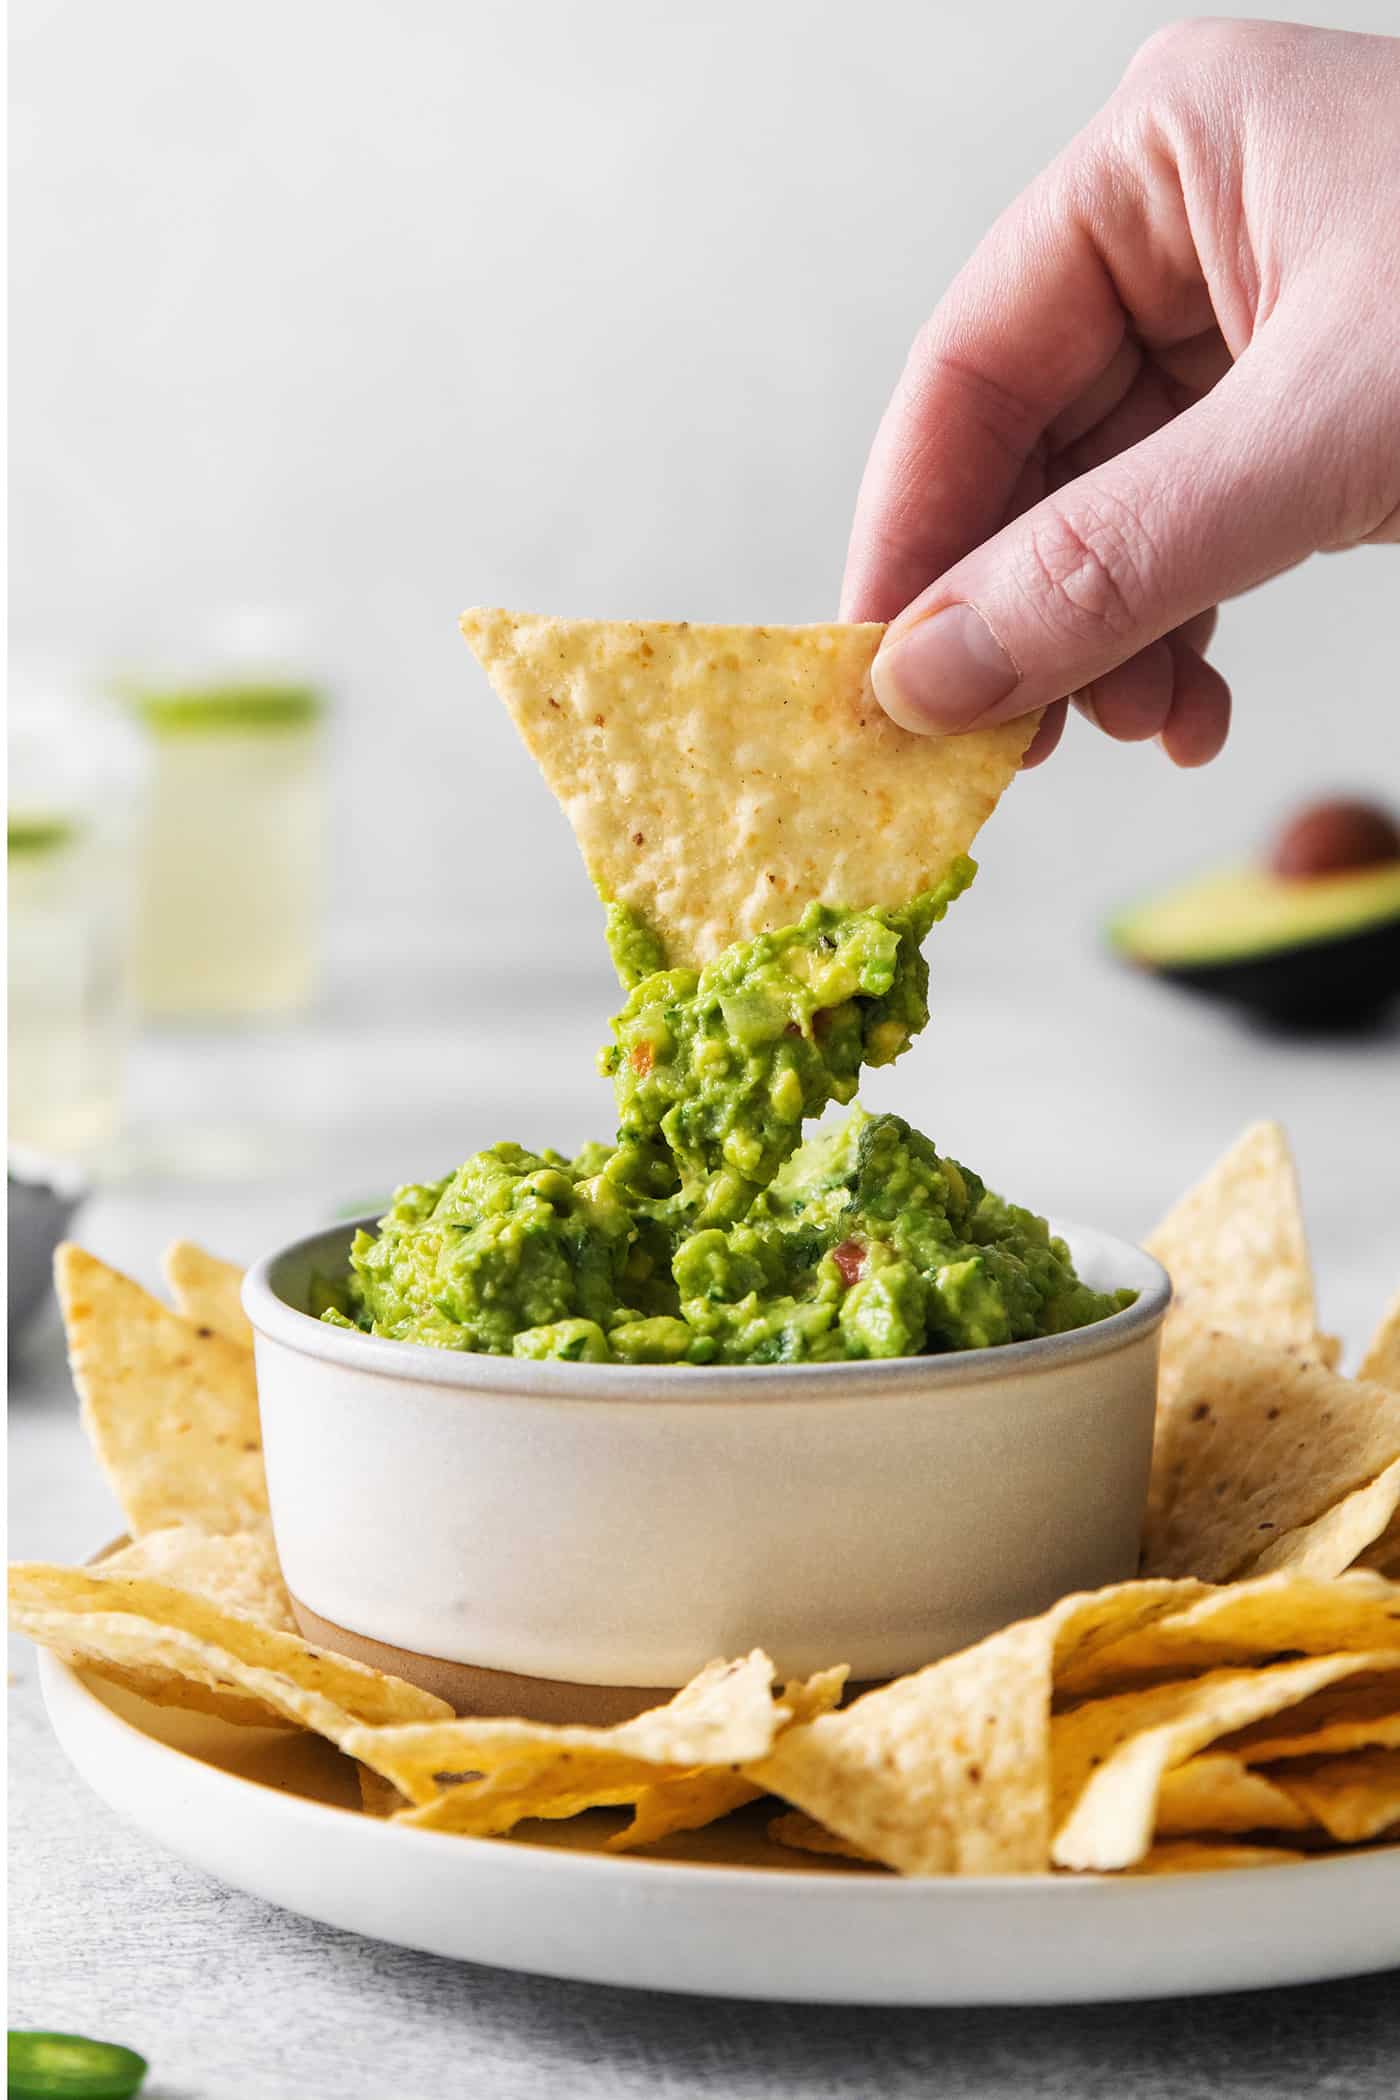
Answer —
(1238, 1705)
(194, 1612)
(1264, 1459)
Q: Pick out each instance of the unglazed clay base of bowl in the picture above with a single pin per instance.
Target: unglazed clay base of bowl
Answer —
(483, 1693)
(486, 1694)
(608, 1529)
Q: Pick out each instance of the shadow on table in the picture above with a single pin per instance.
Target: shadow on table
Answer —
(1342, 2038)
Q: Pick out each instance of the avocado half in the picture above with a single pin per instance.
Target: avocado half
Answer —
(1318, 953)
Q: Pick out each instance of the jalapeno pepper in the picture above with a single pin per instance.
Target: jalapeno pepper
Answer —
(70, 2067)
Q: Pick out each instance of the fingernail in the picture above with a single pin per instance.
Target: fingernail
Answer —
(943, 674)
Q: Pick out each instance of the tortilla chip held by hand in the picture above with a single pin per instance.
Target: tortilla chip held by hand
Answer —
(719, 779)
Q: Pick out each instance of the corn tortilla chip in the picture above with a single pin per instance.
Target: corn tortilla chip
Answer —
(1109, 1756)
(938, 1773)
(1247, 1622)
(135, 1653)
(1200, 1856)
(207, 1291)
(236, 1570)
(161, 1661)
(1360, 1713)
(1354, 1798)
(690, 1803)
(492, 1806)
(1255, 1443)
(1381, 1363)
(687, 1802)
(1358, 1529)
(1221, 1795)
(718, 779)
(528, 1768)
(1236, 1252)
(947, 1771)
(564, 1782)
(171, 1413)
(139, 1626)
(804, 1834)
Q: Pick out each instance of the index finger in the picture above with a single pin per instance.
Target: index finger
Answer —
(1034, 318)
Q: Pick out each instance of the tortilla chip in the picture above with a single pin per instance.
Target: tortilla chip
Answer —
(1221, 1795)
(1381, 1363)
(1256, 1442)
(1327, 1348)
(1236, 1252)
(1361, 1713)
(1109, 1756)
(172, 1413)
(1248, 1622)
(803, 1834)
(493, 1806)
(159, 1640)
(938, 1773)
(529, 1768)
(207, 1291)
(690, 1803)
(1197, 1856)
(1354, 1798)
(122, 1650)
(1360, 1529)
(947, 1771)
(686, 1802)
(236, 1570)
(718, 779)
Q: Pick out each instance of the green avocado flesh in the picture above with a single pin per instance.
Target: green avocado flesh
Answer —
(709, 1232)
(1235, 913)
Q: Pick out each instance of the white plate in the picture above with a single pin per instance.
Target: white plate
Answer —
(277, 1815)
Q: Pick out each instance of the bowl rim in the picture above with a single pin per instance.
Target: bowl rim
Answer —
(275, 1320)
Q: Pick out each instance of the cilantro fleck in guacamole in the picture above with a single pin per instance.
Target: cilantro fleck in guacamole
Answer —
(709, 1232)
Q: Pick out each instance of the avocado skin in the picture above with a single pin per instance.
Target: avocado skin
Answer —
(1344, 983)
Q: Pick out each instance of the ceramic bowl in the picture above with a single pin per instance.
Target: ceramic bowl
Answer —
(568, 1540)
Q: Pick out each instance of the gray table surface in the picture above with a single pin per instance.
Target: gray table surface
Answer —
(230, 1997)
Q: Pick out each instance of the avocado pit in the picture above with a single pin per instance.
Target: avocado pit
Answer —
(1331, 838)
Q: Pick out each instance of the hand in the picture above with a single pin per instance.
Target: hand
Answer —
(1171, 370)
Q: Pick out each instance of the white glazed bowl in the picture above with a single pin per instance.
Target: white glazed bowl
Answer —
(563, 1538)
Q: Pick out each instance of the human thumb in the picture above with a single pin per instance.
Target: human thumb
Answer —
(1233, 490)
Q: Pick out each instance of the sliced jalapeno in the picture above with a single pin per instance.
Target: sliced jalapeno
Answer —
(70, 2067)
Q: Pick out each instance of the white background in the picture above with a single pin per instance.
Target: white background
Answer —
(377, 310)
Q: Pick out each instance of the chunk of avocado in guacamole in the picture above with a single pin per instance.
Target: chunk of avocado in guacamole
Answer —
(710, 1233)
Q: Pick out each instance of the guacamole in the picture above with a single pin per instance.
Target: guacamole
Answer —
(709, 1232)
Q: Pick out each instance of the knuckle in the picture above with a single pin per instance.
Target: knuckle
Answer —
(1187, 40)
(1088, 573)
(996, 411)
(1167, 42)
